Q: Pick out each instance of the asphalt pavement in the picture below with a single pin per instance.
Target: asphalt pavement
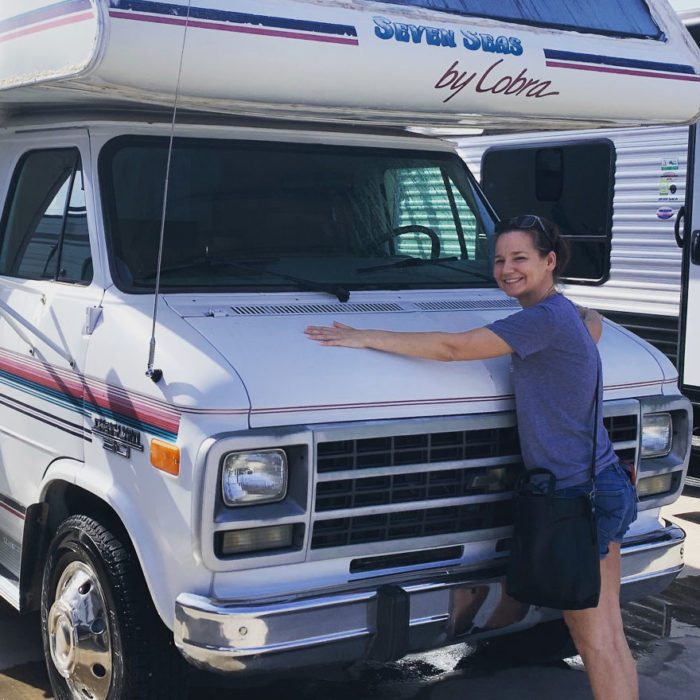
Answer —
(663, 631)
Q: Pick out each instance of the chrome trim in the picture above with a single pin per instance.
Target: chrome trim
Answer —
(335, 625)
(414, 468)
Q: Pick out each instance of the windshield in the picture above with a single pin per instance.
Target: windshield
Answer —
(261, 216)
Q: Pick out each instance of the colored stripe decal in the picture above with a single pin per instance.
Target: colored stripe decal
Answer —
(10, 510)
(432, 402)
(623, 71)
(633, 63)
(43, 14)
(238, 22)
(49, 25)
(237, 30)
(56, 15)
(11, 506)
(206, 13)
(59, 423)
(618, 65)
(85, 397)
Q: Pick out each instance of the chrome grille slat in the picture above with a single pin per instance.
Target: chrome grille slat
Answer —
(418, 468)
(435, 504)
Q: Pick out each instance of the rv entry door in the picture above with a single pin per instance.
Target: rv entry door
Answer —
(689, 351)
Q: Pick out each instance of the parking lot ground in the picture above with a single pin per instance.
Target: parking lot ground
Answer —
(663, 631)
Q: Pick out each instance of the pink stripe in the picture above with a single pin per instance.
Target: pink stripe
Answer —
(102, 395)
(624, 71)
(11, 510)
(239, 30)
(380, 404)
(106, 397)
(48, 25)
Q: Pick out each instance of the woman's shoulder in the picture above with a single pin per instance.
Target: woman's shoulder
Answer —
(559, 304)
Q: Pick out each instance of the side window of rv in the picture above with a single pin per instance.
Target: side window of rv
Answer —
(426, 200)
(572, 184)
(44, 227)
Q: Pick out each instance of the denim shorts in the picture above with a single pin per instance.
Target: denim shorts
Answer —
(615, 504)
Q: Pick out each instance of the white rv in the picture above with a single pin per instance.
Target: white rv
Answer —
(184, 188)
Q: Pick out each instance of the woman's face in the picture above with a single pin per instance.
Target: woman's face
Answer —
(520, 269)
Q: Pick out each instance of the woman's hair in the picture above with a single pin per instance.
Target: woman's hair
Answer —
(545, 235)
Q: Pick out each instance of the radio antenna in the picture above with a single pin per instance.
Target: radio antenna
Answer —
(157, 374)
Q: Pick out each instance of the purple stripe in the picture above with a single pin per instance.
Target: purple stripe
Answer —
(66, 7)
(623, 71)
(236, 29)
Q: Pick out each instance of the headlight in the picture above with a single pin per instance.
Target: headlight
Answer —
(656, 434)
(254, 477)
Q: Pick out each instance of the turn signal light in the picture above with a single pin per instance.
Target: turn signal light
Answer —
(165, 456)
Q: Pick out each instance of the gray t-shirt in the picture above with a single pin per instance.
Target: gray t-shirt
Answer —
(554, 368)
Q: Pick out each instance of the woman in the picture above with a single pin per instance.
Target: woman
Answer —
(555, 366)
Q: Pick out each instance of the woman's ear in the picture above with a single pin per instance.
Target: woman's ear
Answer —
(551, 260)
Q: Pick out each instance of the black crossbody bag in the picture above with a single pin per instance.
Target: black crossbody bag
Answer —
(554, 560)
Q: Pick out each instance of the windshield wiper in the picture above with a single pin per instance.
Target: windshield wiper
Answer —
(337, 290)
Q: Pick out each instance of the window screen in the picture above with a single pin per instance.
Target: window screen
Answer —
(569, 183)
(617, 17)
(44, 230)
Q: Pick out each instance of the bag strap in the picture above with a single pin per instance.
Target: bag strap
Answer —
(595, 427)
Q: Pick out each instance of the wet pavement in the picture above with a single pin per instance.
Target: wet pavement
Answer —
(663, 632)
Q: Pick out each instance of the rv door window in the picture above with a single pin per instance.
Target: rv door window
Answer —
(570, 183)
(270, 216)
(44, 229)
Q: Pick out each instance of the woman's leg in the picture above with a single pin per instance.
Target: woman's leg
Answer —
(600, 639)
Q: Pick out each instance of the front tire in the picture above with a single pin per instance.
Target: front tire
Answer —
(101, 635)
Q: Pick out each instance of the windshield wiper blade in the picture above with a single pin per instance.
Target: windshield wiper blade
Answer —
(407, 262)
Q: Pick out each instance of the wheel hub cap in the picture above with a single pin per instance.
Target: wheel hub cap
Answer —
(79, 638)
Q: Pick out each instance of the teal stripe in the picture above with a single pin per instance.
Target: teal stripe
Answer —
(83, 408)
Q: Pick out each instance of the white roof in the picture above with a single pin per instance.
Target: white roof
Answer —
(335, 60)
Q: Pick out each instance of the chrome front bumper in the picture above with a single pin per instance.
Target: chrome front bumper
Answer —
(381, 622)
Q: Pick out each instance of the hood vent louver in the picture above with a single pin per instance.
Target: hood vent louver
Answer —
(359, 308)
(472, 304)
(277, 309)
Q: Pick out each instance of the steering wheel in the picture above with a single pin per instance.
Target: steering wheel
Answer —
(417, 228)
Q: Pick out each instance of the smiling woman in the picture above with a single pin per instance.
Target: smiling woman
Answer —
(558, 399)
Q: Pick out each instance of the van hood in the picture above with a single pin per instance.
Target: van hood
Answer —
(292, 380)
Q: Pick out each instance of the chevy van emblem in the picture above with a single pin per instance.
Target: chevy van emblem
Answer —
(116, 437)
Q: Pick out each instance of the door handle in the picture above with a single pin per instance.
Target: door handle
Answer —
(695, 247)
(678, 229)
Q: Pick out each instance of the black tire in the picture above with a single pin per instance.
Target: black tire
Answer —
(101, 634)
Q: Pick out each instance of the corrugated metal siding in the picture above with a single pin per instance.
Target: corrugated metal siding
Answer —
(645, 262)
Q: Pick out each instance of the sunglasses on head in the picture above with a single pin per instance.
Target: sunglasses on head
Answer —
(521, 223)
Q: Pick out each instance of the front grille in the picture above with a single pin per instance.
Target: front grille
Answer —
(425, 484)
(425, 448)
(407, 524)
(393, 487)
(623, 435)
(414, 486)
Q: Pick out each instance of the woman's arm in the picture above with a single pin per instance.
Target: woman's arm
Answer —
(593, 321)
(477, 344)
